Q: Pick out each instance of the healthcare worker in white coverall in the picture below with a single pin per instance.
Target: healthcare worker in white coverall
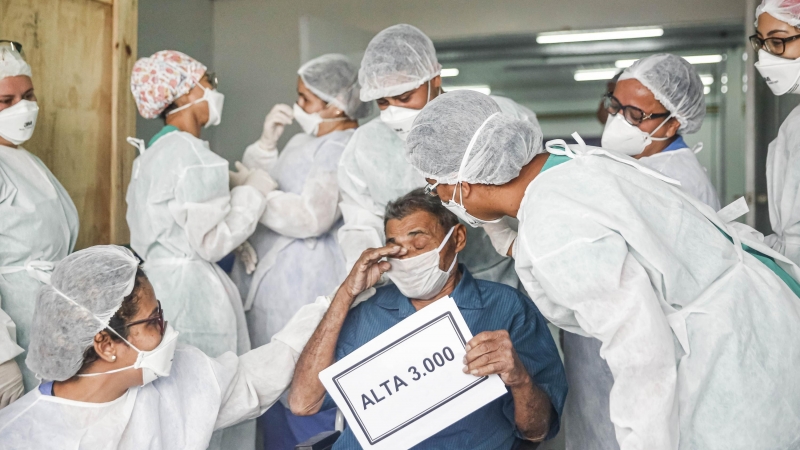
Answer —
(698, 326)
(298, 257)
(401, 72)
(38, 221)
(115, 376)
(654, 103)
(182, 214)
(778, 47)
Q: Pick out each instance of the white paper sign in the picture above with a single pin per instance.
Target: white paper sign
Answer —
(406, 385)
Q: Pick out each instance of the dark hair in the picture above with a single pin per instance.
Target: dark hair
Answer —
(126, 312)
(415, 201)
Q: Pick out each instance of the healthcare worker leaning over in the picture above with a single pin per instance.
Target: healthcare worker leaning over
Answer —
(38, 221)
(778, 47)
(609, 249)
(115, 376)
(298, 256)
(401, 72)
(657, 101)
(182, 214)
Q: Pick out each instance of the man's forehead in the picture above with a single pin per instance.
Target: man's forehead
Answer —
(416, 222)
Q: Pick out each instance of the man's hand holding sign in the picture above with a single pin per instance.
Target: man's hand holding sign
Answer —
(408, 367)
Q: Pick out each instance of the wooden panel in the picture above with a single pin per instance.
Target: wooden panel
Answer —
(70, 46)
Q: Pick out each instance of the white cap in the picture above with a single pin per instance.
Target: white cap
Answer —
(12, 64)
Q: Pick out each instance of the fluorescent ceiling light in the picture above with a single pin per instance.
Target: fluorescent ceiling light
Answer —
(482, 88)
(706, 90)
(449, 72)
(559, 37)
(707, 80)
(699, 59)
(595, 74)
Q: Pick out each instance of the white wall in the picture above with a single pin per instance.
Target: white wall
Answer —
(257, 45)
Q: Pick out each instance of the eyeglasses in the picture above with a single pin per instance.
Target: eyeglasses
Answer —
(632, 114)
(430, 189)
(158, 319)
(774, 45)
(14, 46)
(212, 79)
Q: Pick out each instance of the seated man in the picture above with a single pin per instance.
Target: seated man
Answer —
(511, 336)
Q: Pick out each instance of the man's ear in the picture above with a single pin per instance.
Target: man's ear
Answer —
(461, 237)
(436, 83)
(462, 191)
(672, 127)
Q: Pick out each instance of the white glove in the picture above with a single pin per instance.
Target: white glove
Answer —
(247, 254)
(277, 119)
(501, 234)
(260, 180)
(240, 176)
(10, 383)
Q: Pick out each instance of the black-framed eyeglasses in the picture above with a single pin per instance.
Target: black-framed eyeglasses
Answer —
(212, 79)
(632, 114)
(430, 189)
(158, 319)
(774, 45)
(14, 46)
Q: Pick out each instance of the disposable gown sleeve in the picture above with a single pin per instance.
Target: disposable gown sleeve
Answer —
(591, 276)
(363, 219)
(216, 219)
(263, 374)
(256, 157)
(314, 211)
(8, 338)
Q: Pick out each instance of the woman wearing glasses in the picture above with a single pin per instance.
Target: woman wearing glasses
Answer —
(655, 102)
(183, 214)
(38, 221)
(778, 45)
(115, 376)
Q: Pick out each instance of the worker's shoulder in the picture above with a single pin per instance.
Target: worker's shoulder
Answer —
(184, 147)
(372, 130)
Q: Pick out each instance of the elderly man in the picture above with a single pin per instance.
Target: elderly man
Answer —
(511, 337)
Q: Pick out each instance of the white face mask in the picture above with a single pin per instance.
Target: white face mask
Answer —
(310, 122)
(623, 137)
(401, 119)
(18, 122)
(215, 100)
(781, 74)
(155, 363)
(420, 277)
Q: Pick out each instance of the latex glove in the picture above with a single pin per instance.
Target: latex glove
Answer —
(10, 383)
(502, 235)
(247, 254)
(277, 119)
(239, 177)
(261, 180)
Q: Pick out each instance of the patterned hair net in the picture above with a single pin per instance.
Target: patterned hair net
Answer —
(12, 63)
(785, 10)
(160, 79)
(86, 289)
(397, 60)
(674, 83)
(334, 79)
(467, 121)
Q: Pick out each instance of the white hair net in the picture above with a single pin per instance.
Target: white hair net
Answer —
(499, 144)
(12, 63)
(334, 79)
(674, 83)
(86, 289)
(785, 10)
(397, 60)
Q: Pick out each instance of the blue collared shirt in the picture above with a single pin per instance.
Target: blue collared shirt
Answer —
(486, 306)
(677, 144)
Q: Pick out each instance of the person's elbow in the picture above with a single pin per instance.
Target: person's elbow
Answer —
(302, 404)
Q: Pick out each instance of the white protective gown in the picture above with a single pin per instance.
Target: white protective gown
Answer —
(783, 188)
(183, 218)
(374, 171)
(38, 227)
(298, 256)
(181, 411)
(699, 335)
(588, 375)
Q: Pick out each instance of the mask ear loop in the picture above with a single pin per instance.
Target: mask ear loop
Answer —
(670, 116)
